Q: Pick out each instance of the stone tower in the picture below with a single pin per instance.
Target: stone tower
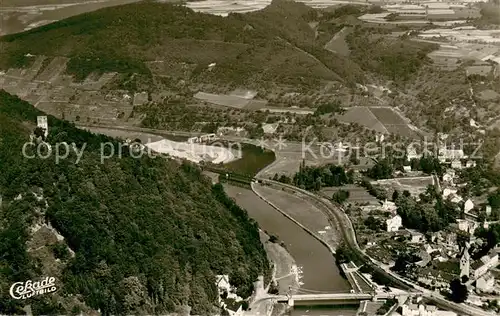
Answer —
(42, 123)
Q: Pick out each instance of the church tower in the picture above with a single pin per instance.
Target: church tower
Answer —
(465, 261)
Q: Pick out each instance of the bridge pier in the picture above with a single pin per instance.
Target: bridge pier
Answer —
(291, 302)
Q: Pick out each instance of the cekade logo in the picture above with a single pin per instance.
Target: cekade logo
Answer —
(21, 291)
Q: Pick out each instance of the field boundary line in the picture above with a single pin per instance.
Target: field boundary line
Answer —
(376, 118)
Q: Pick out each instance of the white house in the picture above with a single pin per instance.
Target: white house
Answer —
(389, 206)
(424, 310)
(222, 283)
(428, 248)
(467, 225)
(238, 312)
(416, 236)
(449, 176)
(407, 168)
(469, 205)
(393, 224)
(455, 198)
(485, 283)
(488, 210)
(411, 153)
(270, 128)
(449, 192)
(456, 164)
(446, 154)
(470, 164)
(486, 262)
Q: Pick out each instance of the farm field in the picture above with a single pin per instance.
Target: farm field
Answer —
(403, 130)
(387, 116)
(363, 116)
(233, 101)
(415, 185)
(357, 194)
(220, 99)
(380, 119)
(338, 43)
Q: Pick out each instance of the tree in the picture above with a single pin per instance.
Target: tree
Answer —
(353, 158)
(430, 164)
(395, 195)
(344, 254)
(458, 291)
(244, 305)
(403, 262)
(373, 223)
(285, 179)
(328, 108)
(274, 288)
(39, 132)
(494, 200)
(382, 169)
(340, 196)
(273, 239)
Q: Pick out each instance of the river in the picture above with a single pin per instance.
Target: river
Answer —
(319, 272)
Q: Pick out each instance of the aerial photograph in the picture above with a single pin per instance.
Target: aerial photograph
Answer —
(250, 157)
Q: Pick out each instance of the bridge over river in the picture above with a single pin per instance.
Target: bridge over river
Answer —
(336, 298)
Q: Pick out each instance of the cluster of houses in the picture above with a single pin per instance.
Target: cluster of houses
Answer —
(415, 307)
(454, 158)
(228, 300)
(479, 271)
(443, 246)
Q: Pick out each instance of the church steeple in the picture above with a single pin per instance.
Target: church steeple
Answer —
(465, 261)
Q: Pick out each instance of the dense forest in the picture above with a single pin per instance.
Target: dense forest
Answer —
(141, 236)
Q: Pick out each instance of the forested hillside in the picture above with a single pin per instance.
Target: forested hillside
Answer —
(148, 235)
(248, 49)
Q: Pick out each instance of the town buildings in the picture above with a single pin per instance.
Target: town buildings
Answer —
(415, 236)
(394, 223)
(486, 262)
(419, 309)
(485, 283)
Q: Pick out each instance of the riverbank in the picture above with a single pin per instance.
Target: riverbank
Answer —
(316, 269)
(285, 271)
